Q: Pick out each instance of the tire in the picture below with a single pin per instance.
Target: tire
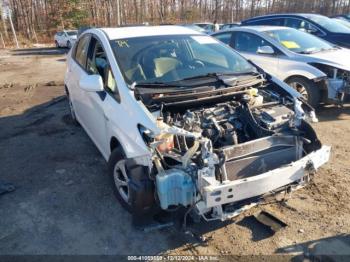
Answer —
(122, 193)
(306, 88)
(69, 45)
(57, 44)
(72, 111)
(133, 188)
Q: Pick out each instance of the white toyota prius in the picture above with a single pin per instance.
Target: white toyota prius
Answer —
(185, 121)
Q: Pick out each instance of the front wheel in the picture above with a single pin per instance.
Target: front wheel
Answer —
(306, 88)
(132, 186)
(71, 109)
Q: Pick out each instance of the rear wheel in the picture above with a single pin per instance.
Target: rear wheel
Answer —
(306, 88)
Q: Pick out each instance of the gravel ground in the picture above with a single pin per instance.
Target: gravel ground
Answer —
(63, 203)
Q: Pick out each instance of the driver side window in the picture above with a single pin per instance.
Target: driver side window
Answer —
(247, 42)
(97, 63)
(302, 25)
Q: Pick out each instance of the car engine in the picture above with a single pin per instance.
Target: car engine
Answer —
(209, 146)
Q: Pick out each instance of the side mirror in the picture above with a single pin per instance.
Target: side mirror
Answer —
(91, 83)
(265, 50)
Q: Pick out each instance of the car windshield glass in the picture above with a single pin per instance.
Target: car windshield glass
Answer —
(343, 22)
(72, 33)
(298, 41)
(329, 24)
(169, 58)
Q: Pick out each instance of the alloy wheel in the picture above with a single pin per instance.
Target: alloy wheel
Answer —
(121, 180)
(300, 88)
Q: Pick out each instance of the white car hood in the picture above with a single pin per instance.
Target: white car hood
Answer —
(337, 58)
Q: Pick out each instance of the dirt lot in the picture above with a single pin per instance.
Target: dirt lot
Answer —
(63, 203)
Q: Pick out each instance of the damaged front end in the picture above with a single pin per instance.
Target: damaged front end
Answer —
(336, 84)
(218, 151)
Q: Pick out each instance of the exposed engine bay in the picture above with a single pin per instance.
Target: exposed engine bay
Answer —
(218, 151)
(337, 82)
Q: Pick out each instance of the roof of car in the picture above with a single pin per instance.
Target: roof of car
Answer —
(257, 28)
(282, 14)
(139, 31)
(262, 28)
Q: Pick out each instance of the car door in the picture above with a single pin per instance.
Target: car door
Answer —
(61, 39)
(248, 44)
(100, 105)
(76, 71)
(304, 26)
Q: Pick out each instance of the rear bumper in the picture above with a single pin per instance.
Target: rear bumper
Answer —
(216, 194)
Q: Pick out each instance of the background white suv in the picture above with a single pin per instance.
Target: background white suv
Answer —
(66, 38)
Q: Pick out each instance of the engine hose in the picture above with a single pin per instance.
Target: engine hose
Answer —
(189, 154)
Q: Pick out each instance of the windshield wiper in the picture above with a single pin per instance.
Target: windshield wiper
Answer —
(318, 50)
(154, 84)
(216, 75)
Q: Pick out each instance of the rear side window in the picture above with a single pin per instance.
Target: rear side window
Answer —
(224, 37)
(82, 50)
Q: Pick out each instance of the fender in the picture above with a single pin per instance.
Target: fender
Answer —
(304, 70)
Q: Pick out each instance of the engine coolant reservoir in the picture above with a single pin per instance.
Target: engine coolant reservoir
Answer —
(257, 99)
(168, 139)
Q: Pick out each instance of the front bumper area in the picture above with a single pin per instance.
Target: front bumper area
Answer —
(216, 194)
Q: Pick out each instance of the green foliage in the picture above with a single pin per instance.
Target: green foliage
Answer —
(75, 14)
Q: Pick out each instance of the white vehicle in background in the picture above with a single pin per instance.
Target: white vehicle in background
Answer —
(317, 69)
(185, 121)
(66, 38)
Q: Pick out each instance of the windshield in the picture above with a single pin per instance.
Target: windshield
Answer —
(72, 33)
(298, 41)
(329, 24)
(343, 22)
(169, 58)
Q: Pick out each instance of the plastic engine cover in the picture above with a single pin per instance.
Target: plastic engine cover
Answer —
(175, 187)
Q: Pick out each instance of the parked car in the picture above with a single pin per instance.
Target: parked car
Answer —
(319, 70)
(229, 25)
(342, 21)
(185, 121)
(343, 17)
(65, 38)
(208, 27)
(194, 27)
(317, 25)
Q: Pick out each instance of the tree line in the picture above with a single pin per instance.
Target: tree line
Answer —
(38, 20)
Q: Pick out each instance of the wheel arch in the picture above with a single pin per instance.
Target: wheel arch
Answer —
(297, 75)
(114, 143)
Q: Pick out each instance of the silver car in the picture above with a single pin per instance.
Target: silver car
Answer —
(317, 69)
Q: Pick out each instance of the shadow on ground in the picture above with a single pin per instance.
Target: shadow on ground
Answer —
(39, 51)
(333, 112)
(336, 248)
(63, 202)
